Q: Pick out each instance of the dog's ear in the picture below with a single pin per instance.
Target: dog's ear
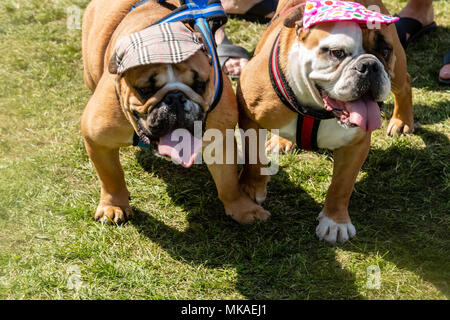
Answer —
(117, 56)
(294, 18)
(113, 66)
(199, 36)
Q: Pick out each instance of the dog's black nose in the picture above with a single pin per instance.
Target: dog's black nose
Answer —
(175, 98)
(367, 66)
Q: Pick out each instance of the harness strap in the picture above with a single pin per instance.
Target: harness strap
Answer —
(308, 121)
(284, 90)
(307, 128)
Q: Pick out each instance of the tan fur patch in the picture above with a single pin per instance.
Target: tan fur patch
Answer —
(312, 36)
(371, 43)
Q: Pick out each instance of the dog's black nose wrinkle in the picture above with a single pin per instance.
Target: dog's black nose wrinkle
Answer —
(175, 98)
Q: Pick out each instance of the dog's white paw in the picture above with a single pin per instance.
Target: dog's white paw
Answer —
(331, 231)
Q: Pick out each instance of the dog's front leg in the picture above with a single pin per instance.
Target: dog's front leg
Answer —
(237, 203)
(334, 220)
(114, 198)
(105, 129)
(251, 179)
(402, 120)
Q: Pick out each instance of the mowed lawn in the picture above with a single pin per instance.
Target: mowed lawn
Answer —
(180, 244)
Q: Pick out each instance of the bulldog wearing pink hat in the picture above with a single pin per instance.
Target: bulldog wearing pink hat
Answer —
(331, 64)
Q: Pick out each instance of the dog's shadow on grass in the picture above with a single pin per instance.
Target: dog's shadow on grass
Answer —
(401, 208)
(398, 207)
(277, 259)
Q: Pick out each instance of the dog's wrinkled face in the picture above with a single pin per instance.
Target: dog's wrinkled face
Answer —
(165, 97)
(345, 69)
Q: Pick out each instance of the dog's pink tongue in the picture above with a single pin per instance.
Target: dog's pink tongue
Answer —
(181, 151)
(365, 113)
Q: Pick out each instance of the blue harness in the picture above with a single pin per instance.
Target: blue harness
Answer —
(205, 16)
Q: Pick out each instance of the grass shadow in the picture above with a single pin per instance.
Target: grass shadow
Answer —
(401, 207)
(424, 114)
(279, 259)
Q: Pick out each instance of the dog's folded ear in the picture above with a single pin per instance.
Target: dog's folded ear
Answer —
(113, 66)
(117, 56)
(294, 18)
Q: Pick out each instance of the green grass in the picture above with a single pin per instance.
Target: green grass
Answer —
(181, 245)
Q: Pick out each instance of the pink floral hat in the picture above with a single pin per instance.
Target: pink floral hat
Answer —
(317, 11)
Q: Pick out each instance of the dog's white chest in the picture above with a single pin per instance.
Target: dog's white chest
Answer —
(330, 134)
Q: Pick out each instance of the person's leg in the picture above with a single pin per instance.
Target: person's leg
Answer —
(238, 6)
(237, 60)
(234, 65)
(444, 74)
(421, 10)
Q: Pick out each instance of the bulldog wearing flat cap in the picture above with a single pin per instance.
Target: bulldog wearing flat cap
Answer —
(152, 74)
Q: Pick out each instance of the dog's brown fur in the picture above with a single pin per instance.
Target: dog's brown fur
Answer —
(105, 127)
(260, 106)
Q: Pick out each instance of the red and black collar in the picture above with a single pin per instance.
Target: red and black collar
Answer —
(284, 90)
(308, 120)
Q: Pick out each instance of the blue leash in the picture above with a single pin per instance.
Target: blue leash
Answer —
(205, 16)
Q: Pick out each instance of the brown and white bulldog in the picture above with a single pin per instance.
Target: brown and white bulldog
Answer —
(152, 100)
(334, 66)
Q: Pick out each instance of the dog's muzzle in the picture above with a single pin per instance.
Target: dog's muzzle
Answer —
(173, 106)
(174, 111)
(367, 77)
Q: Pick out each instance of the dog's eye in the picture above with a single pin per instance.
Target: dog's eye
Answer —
(339, 54)
(386, 53)
(149, 90)
(199, 87)
(146, 92)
